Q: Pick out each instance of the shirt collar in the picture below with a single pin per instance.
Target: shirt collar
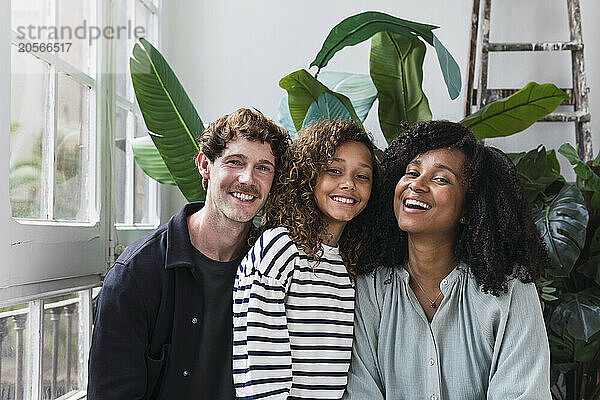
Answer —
(180, 252)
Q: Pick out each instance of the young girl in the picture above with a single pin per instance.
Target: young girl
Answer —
(293, 296)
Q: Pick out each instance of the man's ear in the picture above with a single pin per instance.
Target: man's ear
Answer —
(203, 165)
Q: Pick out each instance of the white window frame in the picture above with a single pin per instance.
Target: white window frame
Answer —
(58, 65)
(43, 259)
(129, 105)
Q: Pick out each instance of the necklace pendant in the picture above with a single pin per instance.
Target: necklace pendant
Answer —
(433, 305)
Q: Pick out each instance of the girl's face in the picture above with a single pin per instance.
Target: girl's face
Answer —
(344, 187)
(429, 198)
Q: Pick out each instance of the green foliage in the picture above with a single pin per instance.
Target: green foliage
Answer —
(170, 116)
(360, 27)
(515, 113)
(303, 90)
(562, 220)
(570, 289)
(584, 171)
(148, 158)
(396, 67)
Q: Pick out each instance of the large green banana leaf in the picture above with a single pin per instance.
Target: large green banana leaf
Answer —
(303, 89)
(170, 117)
(562, 222)
(357, 87)
(515, 113)
(148, 158)
(360, 27)
(396, 67)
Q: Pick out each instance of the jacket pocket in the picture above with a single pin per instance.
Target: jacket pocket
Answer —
(155, 372)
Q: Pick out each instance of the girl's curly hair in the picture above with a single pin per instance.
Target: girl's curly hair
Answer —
(292, 202)
(498, 239)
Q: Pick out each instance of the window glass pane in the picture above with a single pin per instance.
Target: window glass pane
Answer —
(71, 149)
(60, 366)
(28, 83)
(124, 47)
(13, 350)
(142, 184)
(120, 174)
(74, 22)
(25, 13)
(143, 17)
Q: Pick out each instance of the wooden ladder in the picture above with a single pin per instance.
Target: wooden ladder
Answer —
(578, 93)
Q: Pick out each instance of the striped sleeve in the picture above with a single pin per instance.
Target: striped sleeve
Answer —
(262, 363)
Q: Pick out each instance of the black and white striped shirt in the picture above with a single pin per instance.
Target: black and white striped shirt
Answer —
(292, 322)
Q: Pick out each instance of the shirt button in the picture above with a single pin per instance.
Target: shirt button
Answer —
(433, 397)
(445, 282)
(431, 361)
(185, 372)
(194, 320)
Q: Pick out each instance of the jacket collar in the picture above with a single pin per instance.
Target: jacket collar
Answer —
(180, 252)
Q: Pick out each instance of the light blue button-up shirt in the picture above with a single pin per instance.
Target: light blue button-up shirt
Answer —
(478, 346)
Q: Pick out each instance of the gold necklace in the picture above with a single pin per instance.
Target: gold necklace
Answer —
(412, 275)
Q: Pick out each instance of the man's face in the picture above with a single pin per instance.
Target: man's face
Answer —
(239, 180)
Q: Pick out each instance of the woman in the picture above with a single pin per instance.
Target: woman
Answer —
(446, 307)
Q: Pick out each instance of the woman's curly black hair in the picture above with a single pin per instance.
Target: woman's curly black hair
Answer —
(293, 204)
(498, 239)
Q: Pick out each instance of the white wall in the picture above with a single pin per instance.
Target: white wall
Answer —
(232, 53)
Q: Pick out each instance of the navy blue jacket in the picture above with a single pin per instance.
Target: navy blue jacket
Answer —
(146, 329)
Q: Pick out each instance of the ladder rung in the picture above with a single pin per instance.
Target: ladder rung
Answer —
(577, 116)
(537, 46)
(498, 94)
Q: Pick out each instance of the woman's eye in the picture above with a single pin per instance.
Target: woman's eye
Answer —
(234, 162)
(442, 180)
(412, 173)
(334, 171)
(363, 177)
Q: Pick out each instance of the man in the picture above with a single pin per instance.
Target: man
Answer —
(163, 326)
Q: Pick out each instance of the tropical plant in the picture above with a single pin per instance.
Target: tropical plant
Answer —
(569, 220)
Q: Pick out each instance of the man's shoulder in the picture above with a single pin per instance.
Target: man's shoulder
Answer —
(146, 248)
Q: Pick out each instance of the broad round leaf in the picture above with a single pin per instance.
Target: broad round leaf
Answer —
(578, 313)
(396, 68)
(327, 106)
(284, 117)
(562, 223)
(303, 89)
(357, 87)
(515, 113)
(170, 117)
(149, 160)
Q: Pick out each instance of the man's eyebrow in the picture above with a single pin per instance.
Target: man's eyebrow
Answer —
(343, 161)
(245, 158)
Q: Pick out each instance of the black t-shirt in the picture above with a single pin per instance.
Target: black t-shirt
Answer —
(214, 379)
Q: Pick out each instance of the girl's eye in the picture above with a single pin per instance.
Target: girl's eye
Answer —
(334, 171)
(363, 177)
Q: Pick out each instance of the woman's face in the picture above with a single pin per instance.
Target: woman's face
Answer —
(430, 195)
